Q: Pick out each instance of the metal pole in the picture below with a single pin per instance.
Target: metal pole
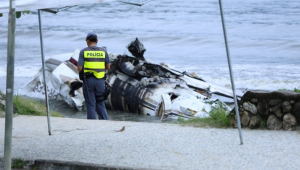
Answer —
(230, 71)
(9, 84)
(44, 70)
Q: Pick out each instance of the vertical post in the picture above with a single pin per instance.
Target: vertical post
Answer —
(9, 84)
(230, 71)
(44, 70)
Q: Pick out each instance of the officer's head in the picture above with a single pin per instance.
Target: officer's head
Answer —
(92, 37)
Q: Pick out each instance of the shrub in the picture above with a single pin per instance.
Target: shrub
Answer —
(219, 118)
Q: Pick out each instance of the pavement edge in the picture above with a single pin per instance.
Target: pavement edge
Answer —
(41, 164)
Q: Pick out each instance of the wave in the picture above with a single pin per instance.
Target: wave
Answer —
(21, 71)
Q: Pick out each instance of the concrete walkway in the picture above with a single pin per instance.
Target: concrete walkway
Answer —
(100, 144)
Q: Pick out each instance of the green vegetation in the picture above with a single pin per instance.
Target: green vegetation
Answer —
(24, 106)
(295, 90)
(18, 13)
(18, 163)
(21, 164)
(219, 118)
(262, 123)
(30, 107)
(35, 168)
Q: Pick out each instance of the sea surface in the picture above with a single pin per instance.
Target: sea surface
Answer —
(263, 38)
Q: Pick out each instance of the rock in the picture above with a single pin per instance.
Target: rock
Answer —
(286, 107)
(254, 121)
(250, 107)
(289, 122)
(280, 109)
(292, 102)
(285, 95)
(274, 102)
(241, 109)
(241, 113)
(274, 123)
(245, 119)
(234, 121)
(254, 100)
(263, 109)
(277, 111)
(296, 111)
(232, 112)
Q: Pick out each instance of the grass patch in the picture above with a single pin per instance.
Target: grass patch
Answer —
(24, 106)
(296, 90)
(262, 123)
(219, 118)
(35, 168)
(18, 163)
(30, 107)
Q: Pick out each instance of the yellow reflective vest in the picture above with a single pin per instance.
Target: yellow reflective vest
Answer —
(94, 62)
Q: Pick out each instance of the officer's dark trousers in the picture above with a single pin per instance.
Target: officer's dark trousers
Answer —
(96, 89)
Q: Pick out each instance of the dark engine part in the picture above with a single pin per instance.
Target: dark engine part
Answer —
(75, 85)
(137, 49)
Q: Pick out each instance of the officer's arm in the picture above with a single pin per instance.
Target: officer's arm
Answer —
(79, 68)
(107, 62)
(80, 61)
(107, 66)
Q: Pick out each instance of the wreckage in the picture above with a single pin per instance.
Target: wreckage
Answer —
(137, 86)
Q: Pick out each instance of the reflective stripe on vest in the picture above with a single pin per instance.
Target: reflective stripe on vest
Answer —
(94, 62)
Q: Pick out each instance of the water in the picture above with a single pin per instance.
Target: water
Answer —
(69, 112)
(187, 35)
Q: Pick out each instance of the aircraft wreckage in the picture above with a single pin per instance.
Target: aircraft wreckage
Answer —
(137, 86)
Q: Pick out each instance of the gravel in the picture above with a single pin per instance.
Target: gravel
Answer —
(151, 145)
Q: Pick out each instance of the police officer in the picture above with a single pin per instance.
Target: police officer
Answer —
(94, 61)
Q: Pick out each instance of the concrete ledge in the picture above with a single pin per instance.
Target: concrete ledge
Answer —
(40, 164)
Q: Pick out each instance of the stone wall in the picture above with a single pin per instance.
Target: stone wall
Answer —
(272, 109)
